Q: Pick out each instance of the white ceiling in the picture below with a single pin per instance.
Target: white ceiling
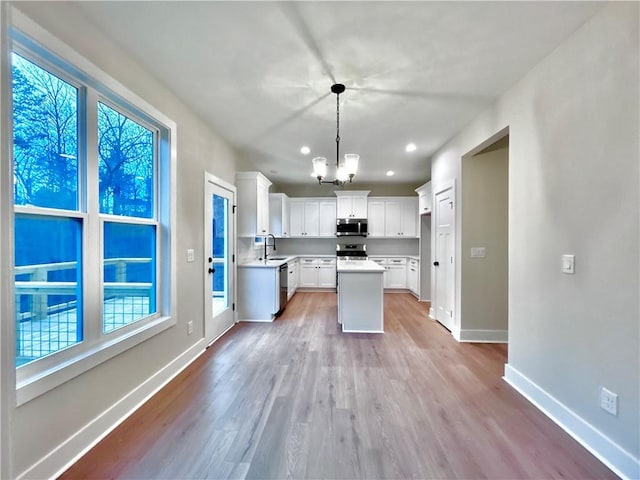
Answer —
(260, 72)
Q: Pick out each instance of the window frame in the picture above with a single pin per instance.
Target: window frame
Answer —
(37, 45)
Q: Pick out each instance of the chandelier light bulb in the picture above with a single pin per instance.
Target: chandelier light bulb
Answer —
(319, 167)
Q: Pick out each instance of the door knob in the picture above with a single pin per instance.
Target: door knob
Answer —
(436, 264)
(212, 270)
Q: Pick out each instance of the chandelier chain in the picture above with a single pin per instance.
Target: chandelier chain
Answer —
(337, 130)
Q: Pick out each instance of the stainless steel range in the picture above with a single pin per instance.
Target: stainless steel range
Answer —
(351, 251)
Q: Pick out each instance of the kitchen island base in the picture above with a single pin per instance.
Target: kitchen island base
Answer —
(361, 301)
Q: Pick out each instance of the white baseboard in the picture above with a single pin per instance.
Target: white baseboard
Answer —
(67, 453)
(432, 314)
(316, 290)
(483, 336)
(621, 462)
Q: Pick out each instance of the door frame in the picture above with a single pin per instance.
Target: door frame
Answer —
(209, 178)
(453, 282)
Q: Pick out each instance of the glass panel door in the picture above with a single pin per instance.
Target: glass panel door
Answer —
(219, 249)
(219, 254)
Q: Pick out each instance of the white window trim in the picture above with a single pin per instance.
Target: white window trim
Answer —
(120, 340)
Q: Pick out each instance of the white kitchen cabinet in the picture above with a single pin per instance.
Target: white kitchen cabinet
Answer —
(292, 278)
(351, 203)
(308, 273)
(258, 293)
(317, 272)
(376, 218)
(424, 198)
(413, 276)
(279, 215)
(410, 218)
(296, 218)
(312, 217)
(253, 204)
(396, 272)
(327, 273)
(327, 220)
(393, 217)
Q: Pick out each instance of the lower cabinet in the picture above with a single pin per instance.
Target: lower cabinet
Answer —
(413, 276)
(292, 279)
(258, 294)
(317, 273)
(327, 273)
(395, 271)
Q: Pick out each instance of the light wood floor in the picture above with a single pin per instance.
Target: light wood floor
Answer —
(299, 399)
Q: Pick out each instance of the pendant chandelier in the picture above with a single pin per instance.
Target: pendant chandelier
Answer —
(345, 170)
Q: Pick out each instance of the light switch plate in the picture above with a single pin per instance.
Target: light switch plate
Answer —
(568, 264)
(191, 255)
(478, 252)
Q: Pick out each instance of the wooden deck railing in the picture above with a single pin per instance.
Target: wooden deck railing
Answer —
(40, 289)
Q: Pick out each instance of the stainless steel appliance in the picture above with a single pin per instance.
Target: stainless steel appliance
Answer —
(356, 227)
(284, 287)
(351, 251)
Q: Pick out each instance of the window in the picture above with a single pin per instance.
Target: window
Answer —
(92, 207)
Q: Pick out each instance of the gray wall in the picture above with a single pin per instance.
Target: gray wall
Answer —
(573, 188)
(47, 421)
(484, 210)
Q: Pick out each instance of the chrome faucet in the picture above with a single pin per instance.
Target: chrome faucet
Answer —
(266, 239)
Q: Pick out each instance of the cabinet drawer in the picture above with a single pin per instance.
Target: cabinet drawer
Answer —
(379, 261)
(327, 261)
(396, 261)
(308, 261)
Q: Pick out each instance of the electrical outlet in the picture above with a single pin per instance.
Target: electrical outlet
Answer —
(190, 327)
(609, 401)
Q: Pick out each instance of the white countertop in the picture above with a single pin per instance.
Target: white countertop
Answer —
(365, 266)
(344, 266)
(281, 260)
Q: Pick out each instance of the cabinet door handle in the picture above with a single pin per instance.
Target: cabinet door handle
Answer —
(436, 264)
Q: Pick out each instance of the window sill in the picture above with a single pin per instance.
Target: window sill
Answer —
(43, 382)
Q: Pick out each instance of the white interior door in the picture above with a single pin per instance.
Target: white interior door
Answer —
(219, 257)
(444, 257)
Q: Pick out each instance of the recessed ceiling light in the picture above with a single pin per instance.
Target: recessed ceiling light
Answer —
(390, 173)
(411, 147)
(305, 150)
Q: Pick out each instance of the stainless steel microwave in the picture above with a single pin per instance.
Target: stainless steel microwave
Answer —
(355, 227)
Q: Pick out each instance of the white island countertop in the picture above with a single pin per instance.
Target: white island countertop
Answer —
(344, 266)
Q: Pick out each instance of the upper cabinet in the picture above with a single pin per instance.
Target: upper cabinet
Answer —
(312, 217)
(351, 203)
(279, 215)
(393, 217)
(253, 204)
(424, 198)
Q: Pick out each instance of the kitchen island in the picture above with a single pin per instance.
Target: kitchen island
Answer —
(360, 296)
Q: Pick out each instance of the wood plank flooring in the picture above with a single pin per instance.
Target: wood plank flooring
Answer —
(299, 399)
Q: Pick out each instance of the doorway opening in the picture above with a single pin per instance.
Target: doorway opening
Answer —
(484, 240)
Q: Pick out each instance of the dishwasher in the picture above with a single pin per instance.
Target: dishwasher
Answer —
(284, 287)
